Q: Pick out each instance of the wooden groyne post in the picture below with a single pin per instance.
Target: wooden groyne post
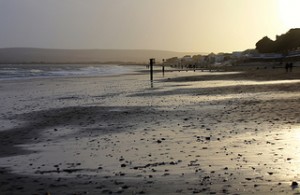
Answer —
(152, 62)
(163, 68)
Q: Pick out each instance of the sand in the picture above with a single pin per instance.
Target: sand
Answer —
(193, 132)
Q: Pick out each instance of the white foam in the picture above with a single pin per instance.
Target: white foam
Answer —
(42, 71)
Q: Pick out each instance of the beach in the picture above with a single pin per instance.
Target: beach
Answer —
(231, 132)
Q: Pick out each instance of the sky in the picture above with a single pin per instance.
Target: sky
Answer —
(174, 25)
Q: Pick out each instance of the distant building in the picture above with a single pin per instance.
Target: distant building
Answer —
(294, 53)
(199, 60)
(186, 61)
(265, 56)
(173, 62)
(219, 58)
(237, 54)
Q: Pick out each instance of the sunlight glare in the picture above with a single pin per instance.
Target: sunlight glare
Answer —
(289, 13)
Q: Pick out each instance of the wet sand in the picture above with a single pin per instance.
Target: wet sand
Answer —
(194, 132)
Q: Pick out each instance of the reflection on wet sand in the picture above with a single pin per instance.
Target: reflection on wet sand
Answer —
(202, 136)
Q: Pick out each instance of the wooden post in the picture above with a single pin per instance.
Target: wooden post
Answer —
(163, 67)
(152, 61)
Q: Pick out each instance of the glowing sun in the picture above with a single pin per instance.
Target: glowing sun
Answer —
(289, 13)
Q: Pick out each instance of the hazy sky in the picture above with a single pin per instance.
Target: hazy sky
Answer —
(176, 25)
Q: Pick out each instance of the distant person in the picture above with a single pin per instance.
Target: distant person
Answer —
(287, 67)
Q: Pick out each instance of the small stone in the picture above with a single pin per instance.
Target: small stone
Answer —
(125, 187)
(123, 165)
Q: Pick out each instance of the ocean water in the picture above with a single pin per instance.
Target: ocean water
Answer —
(29, 71)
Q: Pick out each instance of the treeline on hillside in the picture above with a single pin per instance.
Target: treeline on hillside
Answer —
(282, 44)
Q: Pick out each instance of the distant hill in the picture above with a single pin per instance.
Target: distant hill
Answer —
(36, 55)
(283, 43)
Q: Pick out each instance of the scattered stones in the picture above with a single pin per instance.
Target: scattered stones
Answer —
(151, 144)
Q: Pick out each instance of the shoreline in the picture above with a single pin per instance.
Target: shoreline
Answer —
(192, 133)
(50, 71)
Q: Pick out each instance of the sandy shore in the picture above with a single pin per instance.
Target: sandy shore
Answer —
(194, 132)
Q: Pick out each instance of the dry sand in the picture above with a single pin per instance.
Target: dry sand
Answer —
(194, 132)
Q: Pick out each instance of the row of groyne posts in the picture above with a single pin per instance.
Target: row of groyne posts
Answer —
(151, 64)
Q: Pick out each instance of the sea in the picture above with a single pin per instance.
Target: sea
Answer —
(30, 71)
